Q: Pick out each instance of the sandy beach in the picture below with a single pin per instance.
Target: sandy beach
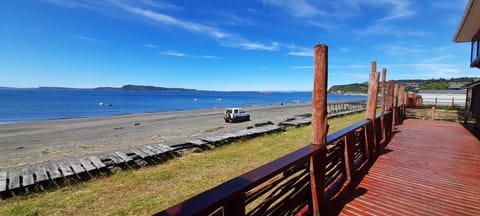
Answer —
(36, 142)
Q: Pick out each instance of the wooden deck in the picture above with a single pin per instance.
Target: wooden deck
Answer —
(428, 168)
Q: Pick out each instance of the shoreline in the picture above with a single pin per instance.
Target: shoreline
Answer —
(154, 113)
(27, 143)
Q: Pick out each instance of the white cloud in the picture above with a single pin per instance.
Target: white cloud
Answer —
(299, 51)
(399, 9)
(174, 53)
(438, 58)
(70, 4)
(399, 50)
(297, 8)
(222, 37)
(159, 4)
(388, 29)
(259, 46)
(209, 57)
(85, 38)
(168, 20)
(344, 49)
(324, 25)
(150, 46)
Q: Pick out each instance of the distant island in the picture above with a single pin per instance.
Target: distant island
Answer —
(123, 88)
(144, 88)
(410, 85)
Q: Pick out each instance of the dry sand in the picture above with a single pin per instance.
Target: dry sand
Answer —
(36, 142)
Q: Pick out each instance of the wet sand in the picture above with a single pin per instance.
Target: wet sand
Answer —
(36, 142)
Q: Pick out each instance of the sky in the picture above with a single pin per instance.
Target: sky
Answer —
(226, 44)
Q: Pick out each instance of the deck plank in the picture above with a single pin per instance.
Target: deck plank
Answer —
(141, 154)
(97, 162)
(164, 147)
(154, 150)
(124, 156)
(431, 168)
(54, 172)
(41, 174)
(14, 179)
(3, 181)
(76, 167)
(87, 164)
(27, 177)
(65, 168)
(146, 151)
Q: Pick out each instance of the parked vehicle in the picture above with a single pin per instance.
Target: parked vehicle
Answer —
(236, 115)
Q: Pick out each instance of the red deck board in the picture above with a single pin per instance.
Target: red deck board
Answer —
(432, 168)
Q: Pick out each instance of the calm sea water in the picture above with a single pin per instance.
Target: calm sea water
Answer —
(17, 105)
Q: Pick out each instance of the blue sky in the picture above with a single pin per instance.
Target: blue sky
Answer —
(226, 44)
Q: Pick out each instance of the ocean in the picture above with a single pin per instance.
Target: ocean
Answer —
(21, 105)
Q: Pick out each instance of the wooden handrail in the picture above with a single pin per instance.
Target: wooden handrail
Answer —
(313, 175)
(215, 197)
(210, 200)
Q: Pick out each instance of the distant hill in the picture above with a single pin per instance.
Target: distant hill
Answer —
(123, 88)
(152, 88)
(354, 88)
(413, 85)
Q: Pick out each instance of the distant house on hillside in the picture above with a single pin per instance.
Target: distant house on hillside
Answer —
(444, 97)
(469, 31)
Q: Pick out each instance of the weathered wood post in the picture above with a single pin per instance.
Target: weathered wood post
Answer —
(371, 110)
(391, 85)
(433, 113)
(395, 105)
(401, 95)
(382, 103)
(319, 128)
(389, 105)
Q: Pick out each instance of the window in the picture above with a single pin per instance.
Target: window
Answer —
(474, 55)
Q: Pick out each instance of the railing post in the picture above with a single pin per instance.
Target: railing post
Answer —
(388, 130)
(371, 109)
(433, 112)
(382, 103)
(319, 129)
(349, 155)
(395, 105)
(401, 100)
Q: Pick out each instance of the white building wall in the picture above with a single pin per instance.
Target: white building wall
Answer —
(443, 99)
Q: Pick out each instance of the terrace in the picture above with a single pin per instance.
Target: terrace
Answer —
(383, 165)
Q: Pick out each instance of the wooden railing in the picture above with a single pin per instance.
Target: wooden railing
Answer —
(315, 177)
(283, 186)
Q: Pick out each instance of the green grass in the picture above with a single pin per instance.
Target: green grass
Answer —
(151, 189)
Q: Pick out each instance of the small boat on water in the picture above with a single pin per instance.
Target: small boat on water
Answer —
(218, 99)
(104, 104)
(195, 99)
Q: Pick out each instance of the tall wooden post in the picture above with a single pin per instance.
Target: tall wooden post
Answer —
(382, 103)
(401, 95)
(319, 128)
(390, 95)
(371, 109)
(395, 105)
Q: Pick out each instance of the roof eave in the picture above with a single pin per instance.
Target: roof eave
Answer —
(464, 19)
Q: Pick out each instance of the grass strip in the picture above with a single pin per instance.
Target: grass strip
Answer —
(151, 189)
